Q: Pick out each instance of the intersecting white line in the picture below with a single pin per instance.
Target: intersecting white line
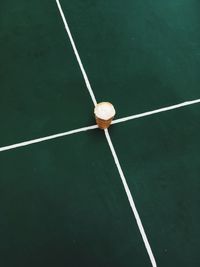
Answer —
(76, 54)
(138, 220)
(127, 190)
(132, 117)
(148, 113)
(42, 139)
(93, 127)
(130, 198)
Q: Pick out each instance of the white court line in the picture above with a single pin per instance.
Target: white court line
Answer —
(76, 54)
(130, 199)
(111, 145)
(42, 139)
(136, 116)
(148, 113)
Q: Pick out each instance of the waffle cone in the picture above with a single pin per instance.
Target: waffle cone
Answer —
(103, 124)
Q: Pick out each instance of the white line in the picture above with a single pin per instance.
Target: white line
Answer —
(76, 54)
(26, 143)
(42, 139)
(131, 201)
(148, 113)
(139, 223)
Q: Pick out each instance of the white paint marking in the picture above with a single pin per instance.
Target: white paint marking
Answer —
(76, 54)
(131, 201)
(26, 143)
(148, 113)
(111, 145)
(42, 139)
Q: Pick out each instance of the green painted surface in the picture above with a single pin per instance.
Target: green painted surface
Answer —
(42, 90)
(62, 201)
(62, 204)
(160, 156)
(141, 55)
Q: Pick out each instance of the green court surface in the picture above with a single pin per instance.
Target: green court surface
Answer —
(62, 201)
(140, 54)
(160, 156)
(62, 204)
(42, 90)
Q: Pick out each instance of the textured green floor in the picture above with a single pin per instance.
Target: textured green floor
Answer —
(141, 55)
(42, 90)
(62, 202)
(160, 156)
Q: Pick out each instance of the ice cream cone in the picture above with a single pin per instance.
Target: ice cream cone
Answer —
(104, 114)
(103, 124)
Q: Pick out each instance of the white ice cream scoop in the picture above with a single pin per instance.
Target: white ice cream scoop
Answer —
(104, 113)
